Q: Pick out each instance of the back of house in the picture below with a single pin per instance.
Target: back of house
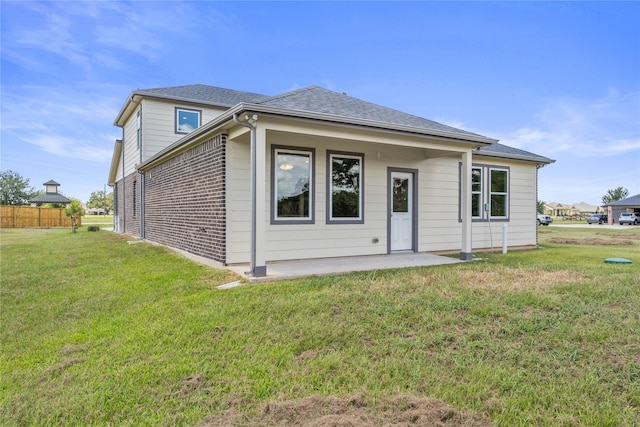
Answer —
(245, 178)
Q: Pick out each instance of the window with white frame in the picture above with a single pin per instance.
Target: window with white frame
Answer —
(187, 120)
(344, 188)
(490, 188)
(292, 185)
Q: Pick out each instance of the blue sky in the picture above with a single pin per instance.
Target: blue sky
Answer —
(560, 79)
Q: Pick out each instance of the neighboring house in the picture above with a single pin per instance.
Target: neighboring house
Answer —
(239, 177)
(630, 204)
(51, 195)
(561, 209)
(587, 209)
(93, 211)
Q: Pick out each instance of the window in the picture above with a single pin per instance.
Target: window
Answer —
(139, 127)
(292, 185)
(187, 120)
(489, 186)
(344, 188)
(476, 192)
(499, 193)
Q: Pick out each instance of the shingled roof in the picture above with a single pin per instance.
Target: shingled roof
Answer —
(50, 198)
(203, 94)
(633, 201)
(501, 150)
(339, 107)
(315, 99)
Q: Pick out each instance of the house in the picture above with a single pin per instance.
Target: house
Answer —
(586, 209)
(630, 204)
(560, 209)
(240, 177)
(50, 195)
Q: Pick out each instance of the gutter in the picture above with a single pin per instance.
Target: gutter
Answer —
(252, 248)
(512, 156)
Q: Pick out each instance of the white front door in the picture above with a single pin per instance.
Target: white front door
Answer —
(401, 205)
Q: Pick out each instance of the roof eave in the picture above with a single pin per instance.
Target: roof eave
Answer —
(120, 118)
(115, 160)
(510, 156)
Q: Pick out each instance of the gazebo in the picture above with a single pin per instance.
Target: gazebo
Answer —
(51, 195)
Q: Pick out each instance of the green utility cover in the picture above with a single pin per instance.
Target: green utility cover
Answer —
(617, 261)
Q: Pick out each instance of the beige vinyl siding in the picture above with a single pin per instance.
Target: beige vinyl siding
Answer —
(298, 241)
(158, 123)
(439, 228)
(521, 229)
(438, 180)
(130, 146)
(238, 200)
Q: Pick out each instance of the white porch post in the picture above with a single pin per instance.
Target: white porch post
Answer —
(261, 194)
(465, 202)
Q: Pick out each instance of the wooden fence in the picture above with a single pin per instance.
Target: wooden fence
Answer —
(26, 216)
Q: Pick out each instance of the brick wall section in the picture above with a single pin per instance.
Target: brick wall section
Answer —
(118, 208)
(185, 201)
(132, 183)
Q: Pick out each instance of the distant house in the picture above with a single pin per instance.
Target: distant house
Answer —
(244, 178)
(587, 209)
(630, 204)
(559, 209)
(51, 195)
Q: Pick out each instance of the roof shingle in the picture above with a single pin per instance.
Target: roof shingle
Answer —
(203, 93)
(319, 100)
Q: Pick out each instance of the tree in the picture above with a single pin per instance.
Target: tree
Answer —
(613, 195)
(97, 200)
(540, 206)
(15, 190)
(74, 211)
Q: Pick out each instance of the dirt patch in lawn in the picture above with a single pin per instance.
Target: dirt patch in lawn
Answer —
(514, 279)
(592, 241)
(351, 411)
(626, 236)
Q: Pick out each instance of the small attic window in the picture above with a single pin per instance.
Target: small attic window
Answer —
(187, 120)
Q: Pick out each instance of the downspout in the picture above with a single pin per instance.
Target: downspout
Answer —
(252, 248)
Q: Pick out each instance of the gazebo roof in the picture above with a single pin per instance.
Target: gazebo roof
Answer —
(50, 198)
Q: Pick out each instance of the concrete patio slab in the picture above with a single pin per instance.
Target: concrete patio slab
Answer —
(325, 266)
(282, 270)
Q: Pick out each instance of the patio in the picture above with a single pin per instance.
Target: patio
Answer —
(319, 267)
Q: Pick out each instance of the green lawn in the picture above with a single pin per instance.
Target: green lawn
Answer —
(96, 331)
(102, 220)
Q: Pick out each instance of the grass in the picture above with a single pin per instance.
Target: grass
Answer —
(96, 331)
(103, 220)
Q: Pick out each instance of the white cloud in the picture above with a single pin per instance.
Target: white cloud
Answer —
(90, 35)
(61, 121)
(68, 147)
(605, 126)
